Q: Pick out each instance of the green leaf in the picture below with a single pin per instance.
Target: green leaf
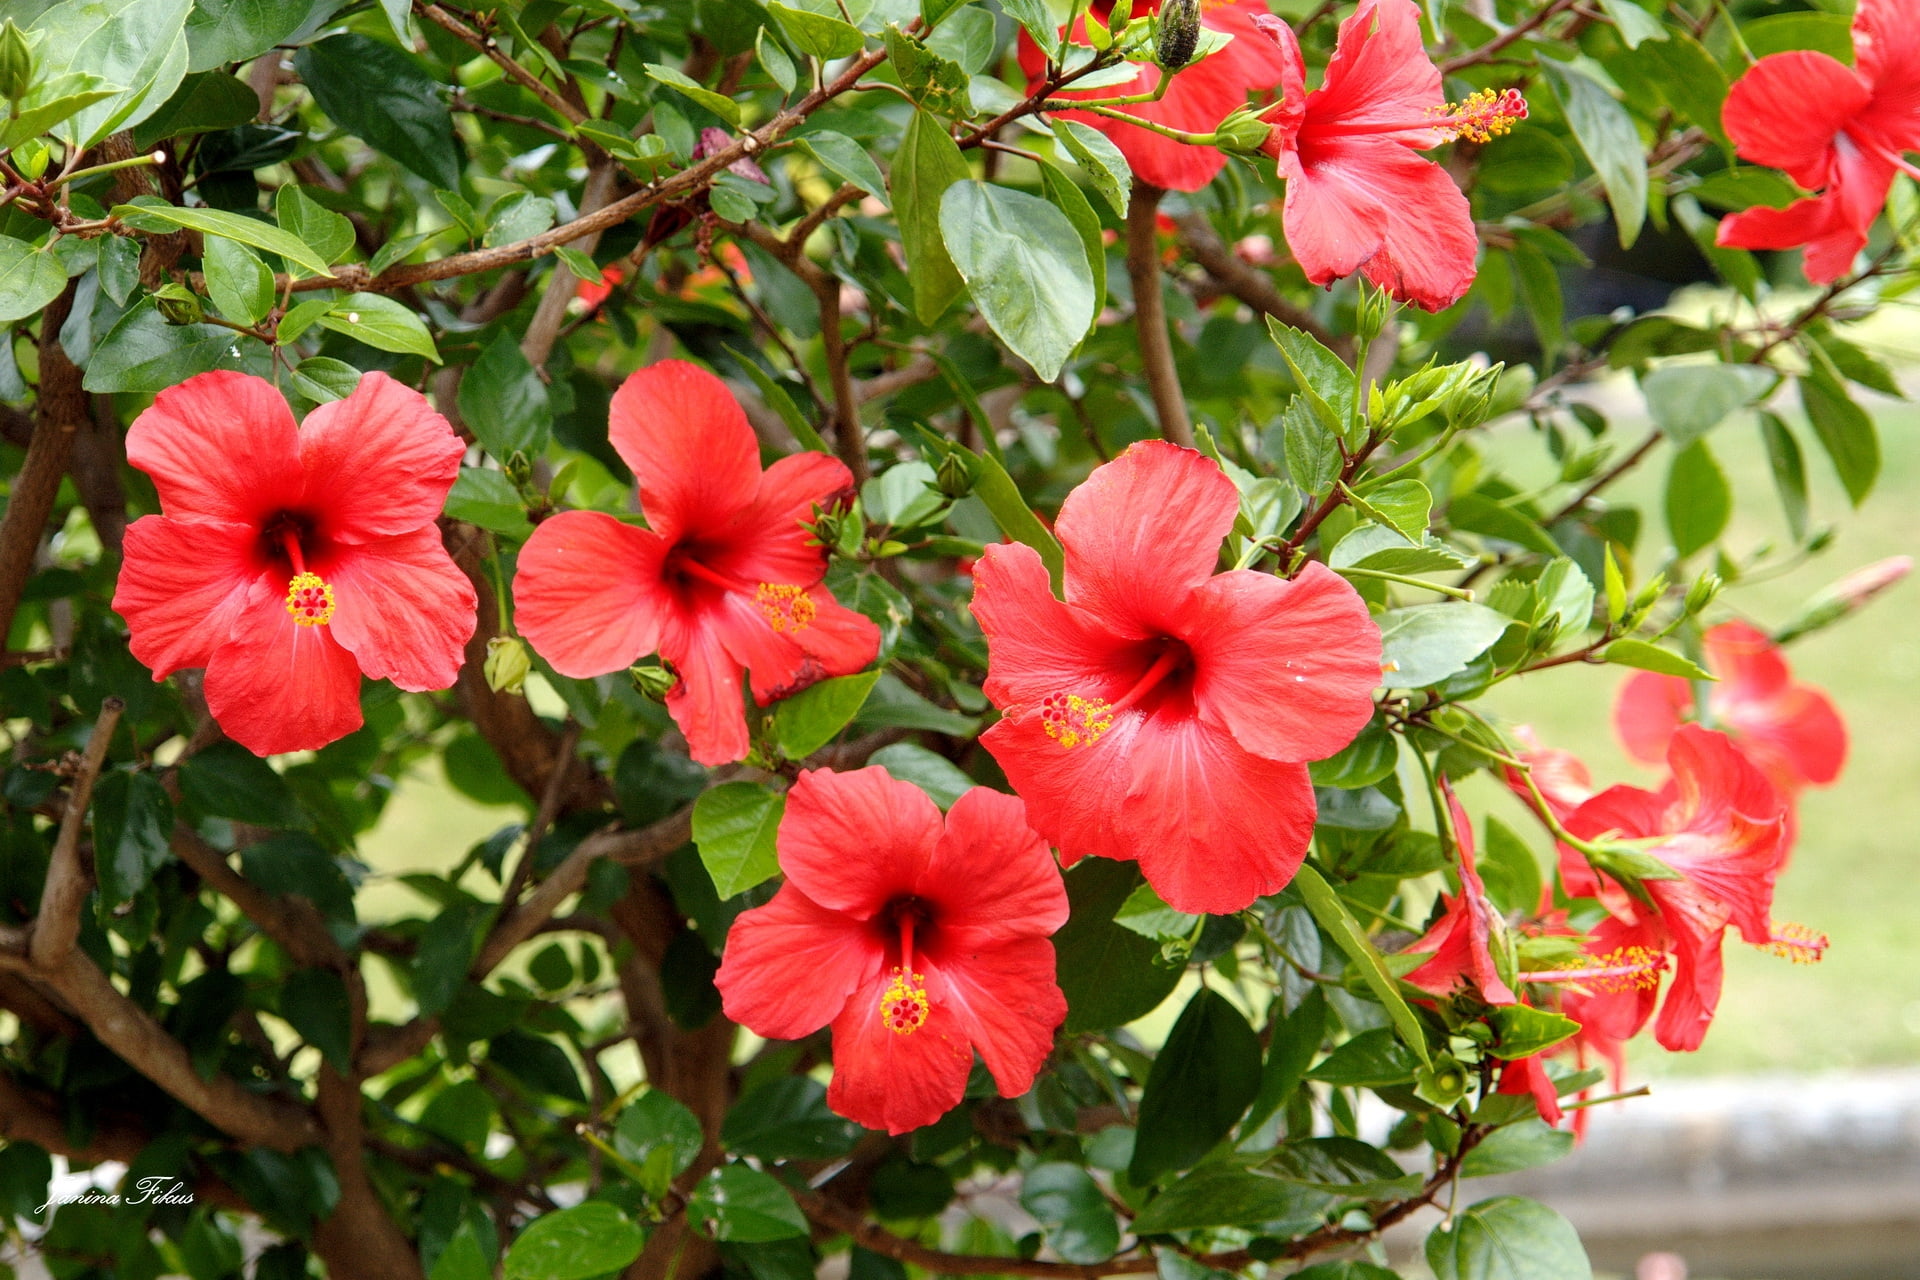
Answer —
(1348, 1269)
(1107, 972)
(1079, 1222)
(659, 1135)
(1688, 400)
(314, 1003)
(1004, 501)
(734, 826)
(1423, 644)
(1540, 293)
(932, 81)
(590, 1239)
(1344, 1165)
(1225, 1195)
(775, 60)
(228, 781)
(1069, 200)
(1403, 505)
(687, 87)
(1291, 1044)
(787, 1119)
(1507, 1238)
(322, 379)
(1092, 151)
(744, 1206)
(149, 214)
(203, 103)
(1203, 1080)
(300, 317)
(387, 98)
(1607, 134)
(933, 773)
(821, 35)
(132, 830)
(1843, 428)
(504, 401)
(926, 165)
(810, 719)
(1509, 869)
(51, 102)
(487, 498)
(1148, 915)
(30, 278)
(380, 322)
(1324, 380)
(1699, 503)
(462, 1259)
(1369, 1060)
(1366, 760)
(1039, 21)
(1489, 517)
(1636, 25)
(223, 31)
(329, 234)
(1644, 656)
(1828, 33)
(1525, 1031)
(1526, 1144)
(1026, 268)
(143, 353)
(1332, 916)
(1789, 472)
(1688, 77)
(848, 159)
(139, 44)
(239, 283)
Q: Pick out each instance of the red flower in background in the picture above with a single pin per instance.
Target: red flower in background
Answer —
(1790, 731)
(1460, 939)
(1834, 129)
(725, 580)
(289, 559)
(1164, 712)
(918, 941)
(595, 292)
(1721, 825)
(1359, 197)
(1200, 97)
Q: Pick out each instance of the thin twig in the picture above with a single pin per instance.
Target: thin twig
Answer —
(1150, 316)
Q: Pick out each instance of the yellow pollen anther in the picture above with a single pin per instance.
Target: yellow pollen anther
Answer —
(1482, 116)
(310, 600)
(1797, 943)
(1625, 969)
(786, 608)
(1074, 721)
(903, 1009)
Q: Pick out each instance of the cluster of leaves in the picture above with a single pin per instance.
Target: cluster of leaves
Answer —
(861, 214)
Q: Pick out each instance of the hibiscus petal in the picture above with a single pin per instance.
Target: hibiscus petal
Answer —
(220, 446)
(1698, 973)
(1333, 220)
(790, 965)
(1786, 109)
(1886, 54)
(768, 541)
(277, 686)
(1142, 532)
(1288, 668)
(378, 462)
(1037, 645)
(1379, 74)
(1832, 227)
(992, 879)
(182, 584)
(1648, 708)
(403, 608)
(1215, 825)
(588, 593)
(840, 639)
(885, 1080)
(833, 641)
(1797, 739)
(1073, 795)
(706, 702)
(1428, 257)
(1748, 664)
(688, 443)
(854, 841)
(1006, 1003)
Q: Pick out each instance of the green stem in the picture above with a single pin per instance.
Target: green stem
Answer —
(1458, 593)
(1178, 135)
(132, 162)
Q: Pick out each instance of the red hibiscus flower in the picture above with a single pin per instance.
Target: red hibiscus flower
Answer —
(1834, 129)
(1164, 712)
(1200, 97)
(1359, 197)
(595, 292)
(725, 579)
(289, 559)
(1791, 731)
(1611, 993)
(917, 941)
(1721, 825)
(1461, 938)
(1529, 1075)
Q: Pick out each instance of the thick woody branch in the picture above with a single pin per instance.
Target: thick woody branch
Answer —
(1150, 317)
(63, 897)
(62, 413)
(551, 315)
(295, 926)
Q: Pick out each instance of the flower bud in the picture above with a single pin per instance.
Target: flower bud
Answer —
(518, 468)
(652, 681)
(1442, 1084)
(16, 63)
(1846, 596)
(953, 477)
(179, 304)
(507, 664)
(1242, 131)
(1702, 592)
(1179, 33)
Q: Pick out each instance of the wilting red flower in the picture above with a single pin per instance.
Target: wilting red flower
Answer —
(1200, 97)
(1529, 1075)
(917, 942)
(1836, 130)
(595, 292)
(1791, 731)
(725, 579)
(1164, 712)
(289, 559)
(1460, 940)
(1720, 824)
(1359, 197)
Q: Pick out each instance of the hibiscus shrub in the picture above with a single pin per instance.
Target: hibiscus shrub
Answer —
(982, 543)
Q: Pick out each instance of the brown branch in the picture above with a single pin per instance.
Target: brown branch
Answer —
(1250, 284)
(1150, 316)
(549, 317)
(542, 818)
(56, 926)
(1488, 51)
(62, 413)
(488, 46)
(296, 927)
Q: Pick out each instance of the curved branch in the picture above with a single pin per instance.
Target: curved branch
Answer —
(56, 925)
(1150, 316)
(1250, 284)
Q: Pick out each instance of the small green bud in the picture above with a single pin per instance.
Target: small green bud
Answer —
(653, 681)
(1179, 33)
(1442, 1084)
(16, 63)
(1702, 592)
(179, 304)
(31, 158)
(1242, 131)
(1845, 596)
(1119, 16)
(953, 478)
(507, 664)
(1097, 34)
(519, 469)
(1648, 596)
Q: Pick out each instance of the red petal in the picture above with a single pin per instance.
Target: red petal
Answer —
(1529, 1075)
(688, 443)
(768, 541)
(588, 594)
(277, 686)
(1004, 1000)
(1288, 668)
(1035, 644)
(220, 446)
(992, 879)
(379, 462)
(706, 702)
(1379, 74)
(1786, 110)
(403, 609)
(1371, 203)
(853, 841)
(1648, 708)
(836, 641)
(789, 966)
(1213, 825)
(1748, 664)
(1073, 796)
(1832, 226)
(883, 1080)
(1886, 54)
(840, 639)
(1698, 971)
(1142, 533)
(182, 585)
